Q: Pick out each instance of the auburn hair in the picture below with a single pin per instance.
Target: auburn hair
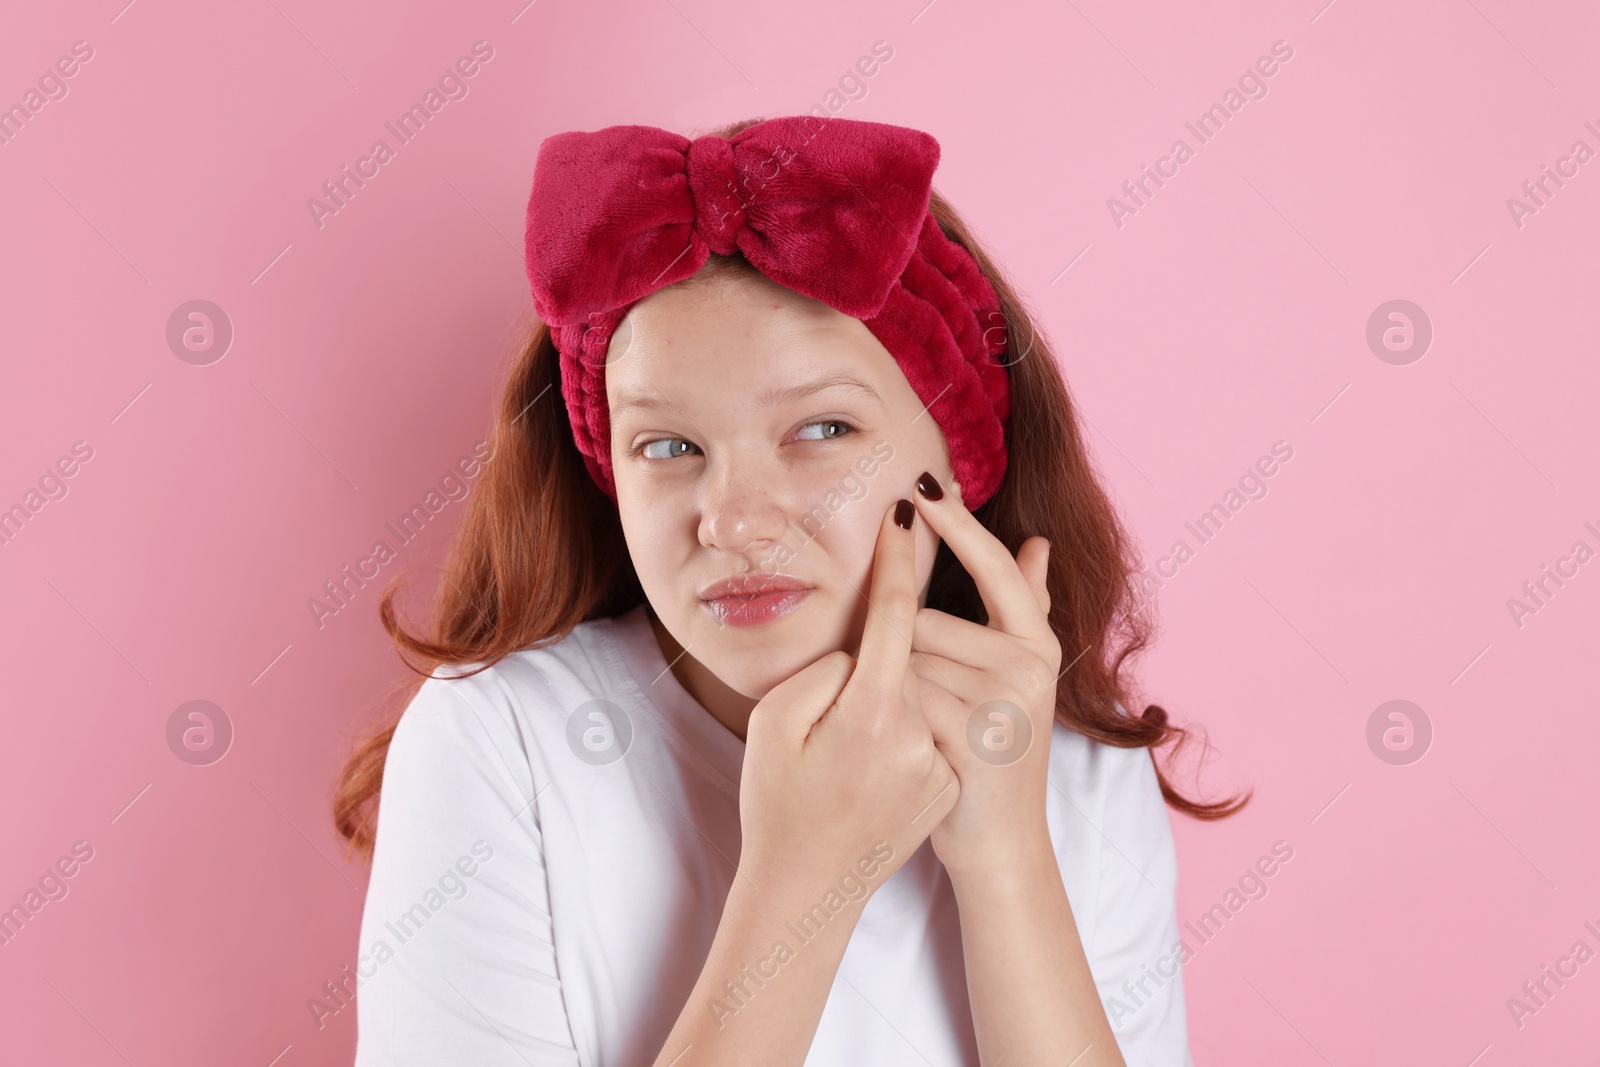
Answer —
(540, 549)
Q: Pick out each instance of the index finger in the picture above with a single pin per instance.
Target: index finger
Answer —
(891, 607)
(1007, 596)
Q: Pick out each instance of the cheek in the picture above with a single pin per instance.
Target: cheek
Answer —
(851, 535)
(655, 533)
(897, 478)
(918, 447)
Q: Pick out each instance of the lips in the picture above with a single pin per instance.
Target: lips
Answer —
(751, 585)
(750, 600)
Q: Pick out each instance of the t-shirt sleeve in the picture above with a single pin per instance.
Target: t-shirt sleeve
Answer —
(457, 961)
(1137, 952)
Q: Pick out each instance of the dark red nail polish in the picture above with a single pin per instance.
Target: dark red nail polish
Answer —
(904, 512)
(928, 486)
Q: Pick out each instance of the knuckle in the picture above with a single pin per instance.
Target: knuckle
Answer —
(874, 729)
(838, 662)
(1031, 676)
(912, 758)
(1052, 648)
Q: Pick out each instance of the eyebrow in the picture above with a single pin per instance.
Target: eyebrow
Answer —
(767, 399)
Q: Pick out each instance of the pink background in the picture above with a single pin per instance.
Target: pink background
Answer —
(1227, 314)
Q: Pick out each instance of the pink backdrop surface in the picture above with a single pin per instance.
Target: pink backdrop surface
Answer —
(1201, 323)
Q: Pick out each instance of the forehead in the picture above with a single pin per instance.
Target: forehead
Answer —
(735, 330)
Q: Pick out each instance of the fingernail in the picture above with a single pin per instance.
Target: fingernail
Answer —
(904, 512)
(928, 486)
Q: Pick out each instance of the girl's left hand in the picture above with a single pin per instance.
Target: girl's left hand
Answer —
(989, 692)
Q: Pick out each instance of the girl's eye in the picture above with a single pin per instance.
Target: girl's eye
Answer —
(843, 428)
(669, 452)
(673, 447)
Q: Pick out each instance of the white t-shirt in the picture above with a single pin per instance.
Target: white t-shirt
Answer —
(547, 880)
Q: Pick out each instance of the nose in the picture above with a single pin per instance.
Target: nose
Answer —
(737, 512)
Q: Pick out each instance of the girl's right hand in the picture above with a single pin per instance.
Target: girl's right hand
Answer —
(839, 757)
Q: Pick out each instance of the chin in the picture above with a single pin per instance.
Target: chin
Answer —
(755, 673)
(755, 684)
(752, 661)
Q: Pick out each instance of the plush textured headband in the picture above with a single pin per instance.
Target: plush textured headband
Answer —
(834, 209)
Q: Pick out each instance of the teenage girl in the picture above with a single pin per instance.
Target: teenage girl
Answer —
(773, 707)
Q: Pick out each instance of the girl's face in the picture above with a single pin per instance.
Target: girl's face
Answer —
(759, 436)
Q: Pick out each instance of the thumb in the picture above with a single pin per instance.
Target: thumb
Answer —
(793, 706)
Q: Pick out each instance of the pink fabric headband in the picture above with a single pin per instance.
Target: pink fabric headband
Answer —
(835, 209)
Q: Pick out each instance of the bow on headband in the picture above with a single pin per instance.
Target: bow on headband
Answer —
(834, 209)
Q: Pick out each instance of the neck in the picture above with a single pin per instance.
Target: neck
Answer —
(728, 706)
